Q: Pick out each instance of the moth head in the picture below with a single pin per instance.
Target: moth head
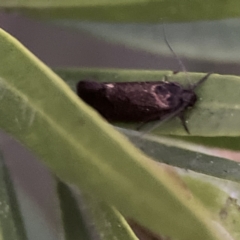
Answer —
(189, 97)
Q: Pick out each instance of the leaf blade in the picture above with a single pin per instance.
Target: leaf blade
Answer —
(126, 11)
(11, 221)
(212, 116)
(75, 143)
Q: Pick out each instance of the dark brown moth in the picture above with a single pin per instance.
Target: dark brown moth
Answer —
(139, 102)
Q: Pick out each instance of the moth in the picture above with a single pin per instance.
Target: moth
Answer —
(139, 102)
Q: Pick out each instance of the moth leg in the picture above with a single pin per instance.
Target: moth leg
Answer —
(183, 120)
(155, 117)
(194, 86)
(142, 124)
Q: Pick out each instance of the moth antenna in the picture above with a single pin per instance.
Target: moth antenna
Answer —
(180, 63)
(183, 120)
(203, 79)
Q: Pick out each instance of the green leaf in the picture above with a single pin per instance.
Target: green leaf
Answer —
(226, 141)
(85, 217)
(213, 115)
(230, 143)
(73, 221)
(165, 149)
(219, 196)
(184, 155)
(106, 220)
(202, 40)
(41, 112)
(126, 10)
(11, 222)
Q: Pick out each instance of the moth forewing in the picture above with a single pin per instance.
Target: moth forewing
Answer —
(139, 102)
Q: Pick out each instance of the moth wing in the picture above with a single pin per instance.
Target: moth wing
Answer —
(168, 95)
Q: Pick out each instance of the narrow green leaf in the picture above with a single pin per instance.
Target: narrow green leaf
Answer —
(213, 115)
(225, 140)
(202, 40)
(73, 222)
(180, 154)
(86, 217)
(11, 222)
(126, 10)
(41, 111)
(104, 219)
(230, 143)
